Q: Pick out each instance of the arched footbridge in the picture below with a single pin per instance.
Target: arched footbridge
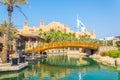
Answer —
(54, 45)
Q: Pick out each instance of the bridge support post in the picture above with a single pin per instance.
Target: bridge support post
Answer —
(68, 50)
(32, 55)
(39, 53)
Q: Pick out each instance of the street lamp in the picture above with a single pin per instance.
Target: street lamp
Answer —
(20, 51)
(38, 48)
(33, 50)
(18, 46)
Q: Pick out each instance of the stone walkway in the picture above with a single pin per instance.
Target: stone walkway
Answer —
(9, 67)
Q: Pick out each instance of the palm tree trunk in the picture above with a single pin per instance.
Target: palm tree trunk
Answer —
(6, 44)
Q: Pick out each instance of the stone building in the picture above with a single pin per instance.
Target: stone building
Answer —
(28, 30)
(55, 26)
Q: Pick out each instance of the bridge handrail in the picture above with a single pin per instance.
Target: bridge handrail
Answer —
(64, 44)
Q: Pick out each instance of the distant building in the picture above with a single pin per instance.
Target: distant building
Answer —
(113, 39)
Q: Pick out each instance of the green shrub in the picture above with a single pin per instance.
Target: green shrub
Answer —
(118, 45)
(113, 53)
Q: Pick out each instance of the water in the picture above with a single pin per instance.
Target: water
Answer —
(39, 71)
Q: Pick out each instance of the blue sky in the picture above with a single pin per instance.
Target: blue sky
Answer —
(101, 15)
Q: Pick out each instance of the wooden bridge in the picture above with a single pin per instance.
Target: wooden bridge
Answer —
(63, 44)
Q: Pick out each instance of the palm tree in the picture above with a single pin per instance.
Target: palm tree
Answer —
(13, 30)
(2, 30)
(10, 5)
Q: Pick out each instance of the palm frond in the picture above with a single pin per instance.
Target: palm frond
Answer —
(16, 5)
(1, 2)
(19, 8)
(6, 2)
(28, 4)
(21, 1)
(13, 1)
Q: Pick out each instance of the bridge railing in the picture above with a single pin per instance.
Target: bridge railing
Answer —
(66, 44)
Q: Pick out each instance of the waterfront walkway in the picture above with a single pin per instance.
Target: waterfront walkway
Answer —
(9, 67)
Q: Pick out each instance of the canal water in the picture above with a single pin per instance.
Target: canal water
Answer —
(43, 70)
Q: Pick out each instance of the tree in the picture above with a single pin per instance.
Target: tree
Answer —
(40, 32)
(2, 31)
(13, 33)
(118, 44)
(13, 30)
(10, 5)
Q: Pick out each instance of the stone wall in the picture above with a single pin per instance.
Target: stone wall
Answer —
(103, 49)
(106, 60)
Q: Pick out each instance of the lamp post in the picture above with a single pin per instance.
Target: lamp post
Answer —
(38, 48)
(18, 48)
(33, 50)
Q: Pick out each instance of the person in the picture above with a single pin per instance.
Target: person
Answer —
(12, 55)
(23, 52)
(22, 56)
(0, 60)
(8, 58)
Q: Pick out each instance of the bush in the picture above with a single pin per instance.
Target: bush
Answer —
(118, 44)
(113, 53)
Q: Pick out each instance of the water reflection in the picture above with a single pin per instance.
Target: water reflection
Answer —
(46, 72)
(38, 71)
(18, 75)
(66, 60)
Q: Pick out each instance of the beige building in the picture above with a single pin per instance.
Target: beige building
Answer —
(92, 35)
(28, 30)
(55, 26)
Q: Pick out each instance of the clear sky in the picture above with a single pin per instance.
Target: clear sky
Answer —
(101, 15)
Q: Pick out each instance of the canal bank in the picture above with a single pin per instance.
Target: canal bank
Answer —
(105, 60)
(14, 64)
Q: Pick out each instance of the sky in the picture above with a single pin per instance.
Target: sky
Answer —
(103, 16)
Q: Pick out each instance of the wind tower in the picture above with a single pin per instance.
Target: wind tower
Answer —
(42, 24)
(25, 28)
(93, 34)
(25, 25)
